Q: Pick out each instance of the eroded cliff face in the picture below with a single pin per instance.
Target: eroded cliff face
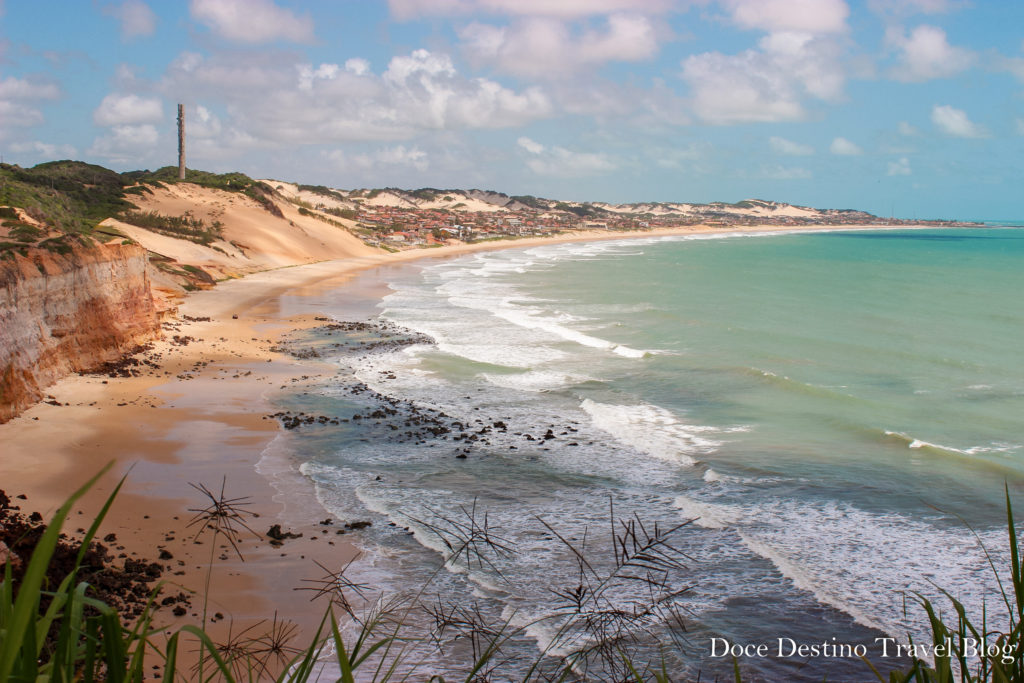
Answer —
(64, 313)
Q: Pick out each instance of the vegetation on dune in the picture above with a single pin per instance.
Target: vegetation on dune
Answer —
(230, 182)
(186, 226)
(323, 191)
(71, 198)
(68, 196)
(530, 201)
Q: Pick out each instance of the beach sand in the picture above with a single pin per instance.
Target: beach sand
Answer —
(201, 417)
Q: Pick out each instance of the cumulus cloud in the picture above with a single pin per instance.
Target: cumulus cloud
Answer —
(118, 109)
(805, 16)
(926, 54)
(955, 122)
(252, 21)
(564, 163)
(788, 147)
(565, 9)
(20, 99)
(273, 98)
(45, 150)
(135, 17)
(13, 88)
(900, 167)
(540, 47)
(844, 147)
(202, 123)
(126, 143)
(530, 146)
(766, 84)
(398, 156)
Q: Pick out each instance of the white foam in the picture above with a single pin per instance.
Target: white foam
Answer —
(858, 561)
(994, 447)
(651, 430)
(537, 380)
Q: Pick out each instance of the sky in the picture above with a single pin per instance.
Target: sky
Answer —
(912, 108)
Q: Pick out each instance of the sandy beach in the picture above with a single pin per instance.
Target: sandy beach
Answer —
(197, 413)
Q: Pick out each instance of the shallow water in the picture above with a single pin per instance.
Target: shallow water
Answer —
(831, 410)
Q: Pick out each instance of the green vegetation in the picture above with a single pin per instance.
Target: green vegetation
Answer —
(230, 182)
(62, 632)
(70, 196)
(428, 194)
(313, 214)
(323, 190)
(530, 201)
(350, 214)
(185, 226)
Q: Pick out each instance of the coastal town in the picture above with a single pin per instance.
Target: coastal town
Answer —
(397, 220)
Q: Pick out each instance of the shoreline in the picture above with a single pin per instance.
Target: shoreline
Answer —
(201, 415)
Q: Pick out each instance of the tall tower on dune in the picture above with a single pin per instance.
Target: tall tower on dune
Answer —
(181, 142)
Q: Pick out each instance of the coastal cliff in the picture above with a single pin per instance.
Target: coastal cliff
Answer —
(67, 312)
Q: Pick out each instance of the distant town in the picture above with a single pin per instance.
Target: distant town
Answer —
(396, 219)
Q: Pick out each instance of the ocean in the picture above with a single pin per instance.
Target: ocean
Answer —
(790, 435)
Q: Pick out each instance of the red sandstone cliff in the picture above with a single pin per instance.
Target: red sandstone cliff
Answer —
(65, 313)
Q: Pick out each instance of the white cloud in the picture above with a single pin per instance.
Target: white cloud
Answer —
(398, 156)
(200, 122)
(908, 130)
(18, 114)
(564, 9)
(786, 173)
(19, 98)
(926, 54)
(952, 121)
(326, 103)
(358, 66)
(806, 16)
(135, 16)
(540, 47)
(767, 84)
(1014, 65)
(530, 146)
(13, 88)
(788, 147)
(901, 167)
(564, 163)
(844, 147)
(1020, 126)
(45, 150)
(127, 144)
(252, 21)
(117, 109)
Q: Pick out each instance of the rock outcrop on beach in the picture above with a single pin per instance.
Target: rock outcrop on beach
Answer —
(68, 312)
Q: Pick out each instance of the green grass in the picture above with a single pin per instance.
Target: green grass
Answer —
(70, 196)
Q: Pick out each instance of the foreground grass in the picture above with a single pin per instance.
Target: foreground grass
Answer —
(61, 633)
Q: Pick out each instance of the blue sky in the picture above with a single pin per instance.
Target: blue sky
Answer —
(905, 107)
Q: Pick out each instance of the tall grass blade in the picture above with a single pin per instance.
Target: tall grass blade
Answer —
(26, 606)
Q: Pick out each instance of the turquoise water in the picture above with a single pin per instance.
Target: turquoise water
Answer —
(830, 409)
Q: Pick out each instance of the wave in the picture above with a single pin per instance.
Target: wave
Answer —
(857, 561)
(915, 443)
(797, 386)
(652, 430)
(537, 380)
